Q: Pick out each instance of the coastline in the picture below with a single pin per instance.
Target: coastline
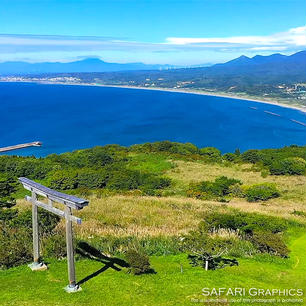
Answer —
(177, 90)
(206, 93)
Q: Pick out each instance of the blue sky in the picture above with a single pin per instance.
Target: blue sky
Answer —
(181, 32)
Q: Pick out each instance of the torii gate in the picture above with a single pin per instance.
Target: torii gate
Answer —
(70, 202)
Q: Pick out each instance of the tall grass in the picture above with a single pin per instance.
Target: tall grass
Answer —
(111, 245)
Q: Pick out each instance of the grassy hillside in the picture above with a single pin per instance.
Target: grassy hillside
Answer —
(152, 198)
(175, 283)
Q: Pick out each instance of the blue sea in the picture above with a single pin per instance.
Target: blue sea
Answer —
(66, 118)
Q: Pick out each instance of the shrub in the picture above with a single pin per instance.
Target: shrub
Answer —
(124, 180)
(92, 179)
(112, 177)
(241, 248)
(16, 234)
(132, 179)
(299, 213)
(211, 154)
(7, 187)
(166, 147)
(157, 182)
(46, 221)
(152, 183)
(138, 262)
(264, 173)
(246, 223)
(270, 243)
(219, 188)
(205, 251)
(7, 214)
(16, 246)
(201, 242)
(251, 156)
(54, 246)
(63, 179)
(269, 156)
(236, 191)
(290, 165)
(184, 148)
(175, 147)
(209, 262)
(261, 192)
(236, 234)
(223, 183)
(98, 157)
(32, 168)
(231, 157)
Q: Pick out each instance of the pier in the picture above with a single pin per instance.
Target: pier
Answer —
(273, 114)
(298, 122)
(21, 146)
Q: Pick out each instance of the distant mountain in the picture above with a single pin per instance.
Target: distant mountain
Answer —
(275, 64)
(255, 76)
(239, 73)
(86, 65)
(256, 60)
(274, 68)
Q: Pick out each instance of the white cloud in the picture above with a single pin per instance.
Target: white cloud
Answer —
(289, 41)
(292, 38)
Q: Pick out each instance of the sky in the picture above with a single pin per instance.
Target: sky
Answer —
(175, 32)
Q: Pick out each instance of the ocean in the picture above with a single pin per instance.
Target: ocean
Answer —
(65, 118)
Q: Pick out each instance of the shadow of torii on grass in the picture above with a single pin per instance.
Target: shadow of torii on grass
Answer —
(88, 251)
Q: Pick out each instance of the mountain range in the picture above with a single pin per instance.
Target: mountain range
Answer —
(294, 64)
(272, 69)
(267, 69)
(85, 65)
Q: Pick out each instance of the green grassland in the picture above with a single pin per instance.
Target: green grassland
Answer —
(141, 196)
(175, 283)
